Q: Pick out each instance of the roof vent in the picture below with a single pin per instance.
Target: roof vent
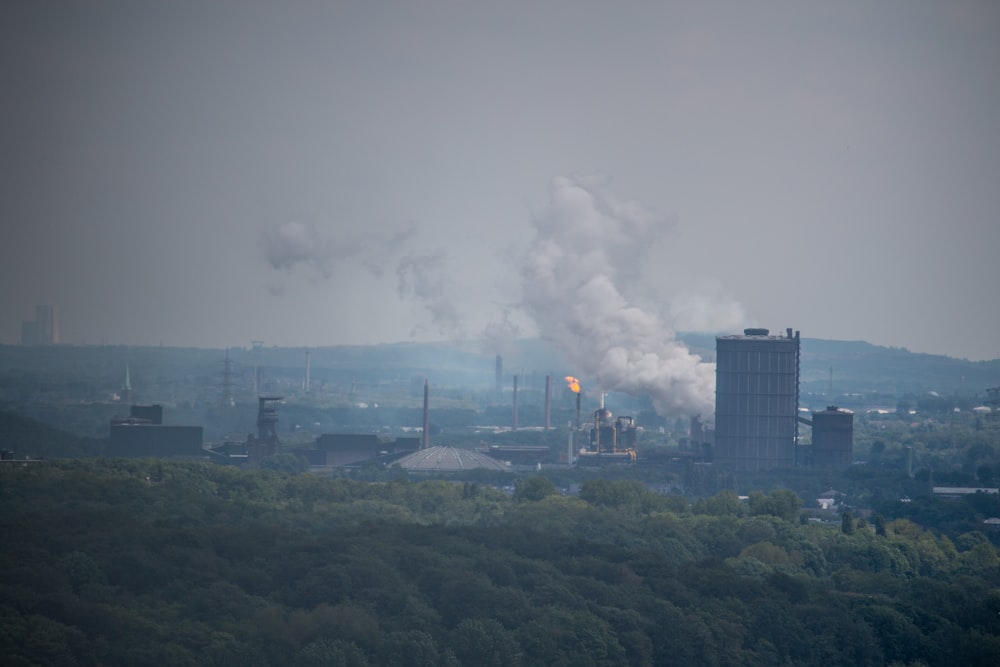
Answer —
(755, 332)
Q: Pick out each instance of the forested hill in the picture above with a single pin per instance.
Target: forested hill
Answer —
(860, 367)
(146, 562)
(20, 435)
(863, 367)
(31, 374)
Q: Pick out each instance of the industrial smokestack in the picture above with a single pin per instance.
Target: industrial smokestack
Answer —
(305, 385)
(696, 433)
(548, 404)
(425, 436)
(569, 449)
(578, 410)
(515, 403)
(499, 374)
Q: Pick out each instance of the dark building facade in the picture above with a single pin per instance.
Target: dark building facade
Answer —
(756, 400)
(155, 440)
(340, 449)
(148, 413)
(832, 437)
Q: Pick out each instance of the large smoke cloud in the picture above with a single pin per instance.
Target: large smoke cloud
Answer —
(422, 276)
(294, 244)
(709, 308)
(587, 250)
(500, 334)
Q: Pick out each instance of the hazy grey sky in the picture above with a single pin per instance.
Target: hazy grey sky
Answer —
(315, 173)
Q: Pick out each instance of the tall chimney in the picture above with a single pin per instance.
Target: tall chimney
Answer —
(578, 410)
(499, 374)
(548, 404)
(305, 385)
(569, 447)
(515, 403)
(425, 436)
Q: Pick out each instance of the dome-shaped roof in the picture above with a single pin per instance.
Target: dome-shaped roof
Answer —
(443, 458)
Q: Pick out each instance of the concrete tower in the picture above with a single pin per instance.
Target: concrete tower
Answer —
(756, 400)
(832, 437)
(44, 329)
(499, 375)
(47, 323)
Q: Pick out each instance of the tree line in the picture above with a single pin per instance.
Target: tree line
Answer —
(138, 562)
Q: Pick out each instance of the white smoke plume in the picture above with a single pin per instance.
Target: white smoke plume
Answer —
(422, 276)
(587, 249)
(498, 335)
(295, 243)
(708, 309)
(300, 244)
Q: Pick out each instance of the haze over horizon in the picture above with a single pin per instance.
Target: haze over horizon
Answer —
(323, 173)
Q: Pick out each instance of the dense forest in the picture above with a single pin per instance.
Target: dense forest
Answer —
(136, 562)
(132, 562)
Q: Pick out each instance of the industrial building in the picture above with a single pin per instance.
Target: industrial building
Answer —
(448, 459)
(150, 413)
(756, 400)
(832, 437)
(44, 329)
(609, 441)
(254, 449)
(341, 449)
(135, 438)
(143, 433)
(344, 449)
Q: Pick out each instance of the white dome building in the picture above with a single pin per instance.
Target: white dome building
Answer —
(448, 459)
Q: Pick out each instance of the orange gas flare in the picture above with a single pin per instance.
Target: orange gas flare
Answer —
(573, 383)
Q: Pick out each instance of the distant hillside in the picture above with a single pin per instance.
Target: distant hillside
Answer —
(179, 377)
(860, 367)
(24, 436)
(864, 367)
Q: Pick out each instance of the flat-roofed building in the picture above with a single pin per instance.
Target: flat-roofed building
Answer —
(756, 400)
(132, 439)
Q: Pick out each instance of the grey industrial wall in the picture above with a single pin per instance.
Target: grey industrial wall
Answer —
(756, 401)
(832, 437)
(128, 440)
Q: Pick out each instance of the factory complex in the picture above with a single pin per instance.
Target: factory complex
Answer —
(756, 426)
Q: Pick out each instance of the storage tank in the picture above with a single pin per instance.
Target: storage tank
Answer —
(833, 437)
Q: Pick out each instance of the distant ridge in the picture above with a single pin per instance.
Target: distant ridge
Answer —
(857, 366)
